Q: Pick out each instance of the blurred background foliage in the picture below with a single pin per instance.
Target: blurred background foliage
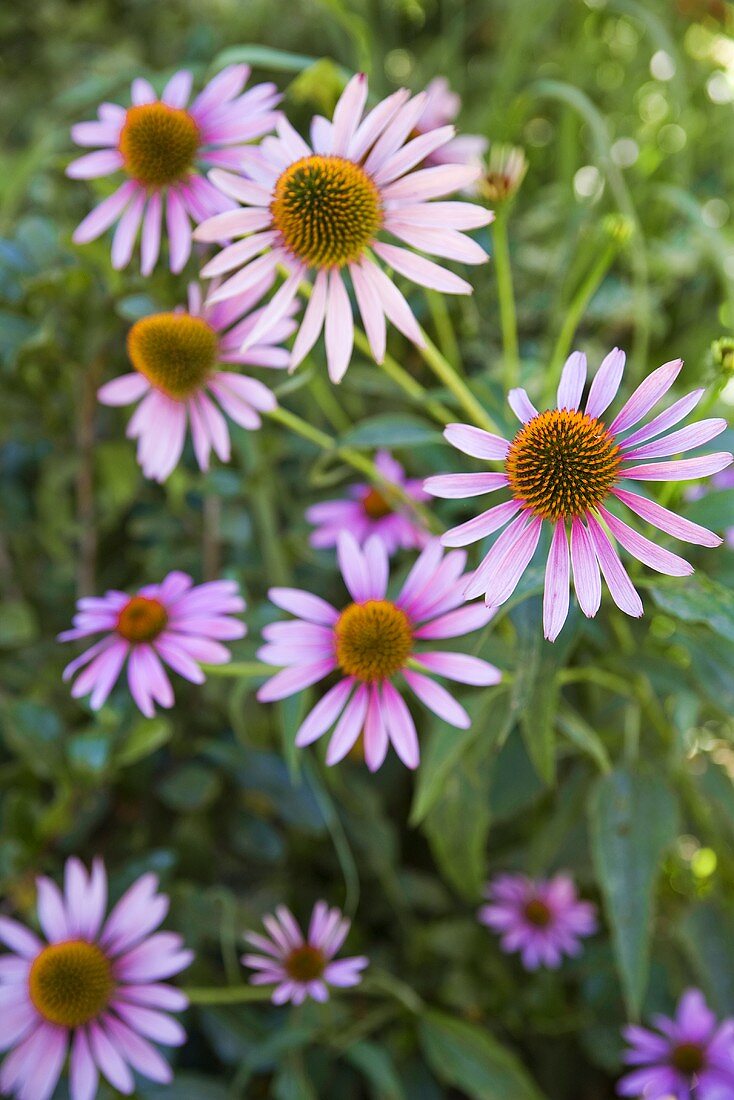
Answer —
(610, 754)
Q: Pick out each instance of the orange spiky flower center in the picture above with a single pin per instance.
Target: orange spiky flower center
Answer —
(70, 983)
(373, 640)
(158, 144)
(175, 351)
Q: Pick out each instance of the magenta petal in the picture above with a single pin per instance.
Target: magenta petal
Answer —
(606, 383)
(437, 699)
(666, 520)
(620, 586)
(324, 714)
(556, 593)
(476, 442)
(647, 394)
(586, 577)
(400, 726)
(645, 550)
(573, 377)
(684, 469)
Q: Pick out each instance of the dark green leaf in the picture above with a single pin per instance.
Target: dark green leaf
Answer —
(391, 430)
(697, 599)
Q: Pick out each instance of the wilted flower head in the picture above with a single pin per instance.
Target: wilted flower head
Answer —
(565, 467)
(177, 356)
(503, 174)
(161, 145)
(175, 623)
(688, 1057)
(369, 511)
(542, 919)
(303, 966)
(91, 989)
(372, 643)
(321, 210)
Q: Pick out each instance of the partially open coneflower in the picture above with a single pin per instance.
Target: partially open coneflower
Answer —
(303, 966)
(542, 919)
(369, 511)
(175, 623)
(321, 211)
(370, 644)
(503, 174)
(161, 145)
(92, 989)
(177, 358)
(566, 467)
(442, 107)
(688, 1057)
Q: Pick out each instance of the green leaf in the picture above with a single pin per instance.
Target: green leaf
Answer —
(707, 935)
(633, 819)
(466, 1057)
(148, 735)
(715, 510)
(190, 787)
(377, 1066)
(584, 737)
(697, 599)
(263, 57)
(18, 624)
(391, 430)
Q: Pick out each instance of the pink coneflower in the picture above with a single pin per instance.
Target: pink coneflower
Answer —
(320, 210)
(161, 145)
(372, 512)
(442, 107)
(689, 1057)
(92, 988)
(542, 919)
(176, 358)
(371, 643)
(563, 467)
(299, 966)
(175, 623)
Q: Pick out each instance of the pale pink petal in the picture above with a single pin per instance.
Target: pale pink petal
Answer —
(556, 592)
(684, 469)
(420, 270)
(19, 939)
(459, 486)
(573, 378)
(324, 714)
(412, 153)
(83, 1074)
(278, 306)
(400, 126)
(437, 699)
(353, 567)
(432, 183)
(393, 303)
(686, 439)
(292, 680)
(93, 165)
(232, 223)
(374, 123)
(606, 383)
(521, 405)
(126, 233)
(348, 727)
(513, 565)
(375, 732)
(586, 577)
(476, 442)
(666, 419)
(667, 521)
(339, 327)
(150, 238)
(461, 667)
(104, 214)
(482, 525)
(142, 92)
(647, 394)
(123, 390)
(109, 1060)
(400, 726)
(313, 320)
(304, 604)
(372, 313)
(439, 241)
(645, 550)
(452, 215)
(347, 114)
(178, 89)
(179, 231)
(620, 586)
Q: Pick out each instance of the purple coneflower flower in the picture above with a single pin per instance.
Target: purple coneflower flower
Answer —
(299, 966)
(92, 988)
(563, 467)
(319, 211)
(175, 623)
(161, 144)
(372, 642)
(442, 107)
(689, 1057)
(542, 919)
(372, 512)
(176, 358)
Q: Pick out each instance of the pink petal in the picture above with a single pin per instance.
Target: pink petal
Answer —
(123, 390)
(431, 183)
(348, 727)
(647, 394)
(375, 732)
(606, 383)
(437, 699)
(150, 239)
(586, 578)
(313, 320)
(476, 442)
(393, 303)
(667, 521)
(371, 311)
(104, 214)
(556, 592)
(339, 327)
(420, 270)
(347, 114)
(304, 604)
(521, 405)
(573, 377)
(459, 486)
(513, 563)
(482, 525)
(685, 469)
(645, 550)
(461, 667)
(620, 586)
(686, 439)
(666, 419)
(123, 241)
(400, 726)
(93, 165)
(324, 714)
(292, 680)
(179, 231)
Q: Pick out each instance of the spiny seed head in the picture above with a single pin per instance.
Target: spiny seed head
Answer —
(373, 640)
(562, 463)
(327, 210)
(141, 619)
(158, 144)
(538, 913)
(305, 963)
(70, 983)
(175, 351)
(688, 1058)
(375, 505)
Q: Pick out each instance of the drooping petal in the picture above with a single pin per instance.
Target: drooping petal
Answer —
(556, 591)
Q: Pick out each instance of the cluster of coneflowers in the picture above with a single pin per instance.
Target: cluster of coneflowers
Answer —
(331, 220)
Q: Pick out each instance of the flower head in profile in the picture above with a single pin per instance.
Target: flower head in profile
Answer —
(369, 511)
(372, 643)
(92, 988)
(504, 173)
(442, 107)
(303, 966)
(161, 146)
(565, 467)
(177, 358)
(175, 623)
(689, 1057)
(541, 919)
(321, 210)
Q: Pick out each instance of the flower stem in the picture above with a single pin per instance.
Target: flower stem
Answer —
(238, 669)
(228, 995)
(323, 392)
(506, 296)
(444, 329)
(407, 383)
(451, 380)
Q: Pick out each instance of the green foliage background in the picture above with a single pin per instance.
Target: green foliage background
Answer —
(609, 753)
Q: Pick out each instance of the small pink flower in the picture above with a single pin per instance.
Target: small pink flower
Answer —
(161, 144)
(321, 210)
(371, 643)
(175, 623)
(442, 107)
(564, 467)
(93, 990)
(371, 512)
(176, 358)
(299, 966)
(541, 919)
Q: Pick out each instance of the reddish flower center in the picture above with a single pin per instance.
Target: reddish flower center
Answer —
(375, 505)
(538, 913)
(175, 351)
(327, 210)
(70, 983)
(158, 144)
(562, 463)
(373, 640)
(141, 619)
(305, 963)
(688, 1058)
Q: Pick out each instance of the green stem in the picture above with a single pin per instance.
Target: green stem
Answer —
(407, 383)
(444, 329)
(323, 392)
(574, 313)
(599, 676)
(239, 669)
(451, 380)
(228, 995)
(506, 296)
